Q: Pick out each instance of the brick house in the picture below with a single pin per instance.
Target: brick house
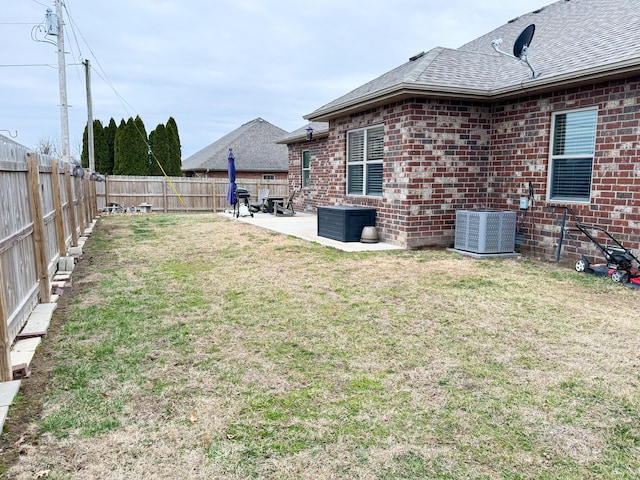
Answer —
(258, 156)
(470, 128)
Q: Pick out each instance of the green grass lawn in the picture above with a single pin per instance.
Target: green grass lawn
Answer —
(197, 347)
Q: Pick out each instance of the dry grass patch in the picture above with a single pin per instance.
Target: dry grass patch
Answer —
(198, 347)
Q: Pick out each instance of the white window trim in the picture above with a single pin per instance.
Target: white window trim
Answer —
(552, 157)
(364, 161)
(308, 169)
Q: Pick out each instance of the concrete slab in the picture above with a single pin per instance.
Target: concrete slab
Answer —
(8, 391)
(27, 345)
(19, 358)
(485, 255)
(305, 226)
(4, 411)
(39, 320)
(66, 264)
(24, 350)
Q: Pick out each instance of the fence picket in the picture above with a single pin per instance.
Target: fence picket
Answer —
(36, 207)
(45, 207)
(198, 194)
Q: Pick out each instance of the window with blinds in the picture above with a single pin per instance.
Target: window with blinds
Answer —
(572, 150)
(365, 155)
(306, 168)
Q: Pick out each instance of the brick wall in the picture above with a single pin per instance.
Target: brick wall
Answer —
(436, 156)
(520, 154)
(441, 156)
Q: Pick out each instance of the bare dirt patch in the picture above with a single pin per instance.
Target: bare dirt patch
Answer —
(20, 433)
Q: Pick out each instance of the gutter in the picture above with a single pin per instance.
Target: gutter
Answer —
(303, 138)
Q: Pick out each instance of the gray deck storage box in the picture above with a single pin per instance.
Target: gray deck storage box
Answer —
(344, 223)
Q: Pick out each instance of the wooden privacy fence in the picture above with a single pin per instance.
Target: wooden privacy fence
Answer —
(44, 210)
(164, 193)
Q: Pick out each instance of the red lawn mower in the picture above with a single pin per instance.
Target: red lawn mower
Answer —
(620, 263)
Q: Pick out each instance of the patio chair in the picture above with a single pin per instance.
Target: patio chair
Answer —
(261, 204)
(284, 207)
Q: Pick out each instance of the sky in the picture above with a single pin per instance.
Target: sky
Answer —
(214, 65)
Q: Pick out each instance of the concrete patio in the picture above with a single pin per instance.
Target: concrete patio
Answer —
(305, 225)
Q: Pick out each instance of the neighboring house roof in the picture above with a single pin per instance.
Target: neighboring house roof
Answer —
(254, 147)
(575, 41)
(320, 130)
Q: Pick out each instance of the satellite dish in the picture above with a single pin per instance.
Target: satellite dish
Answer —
(520, 47)
(522, 43)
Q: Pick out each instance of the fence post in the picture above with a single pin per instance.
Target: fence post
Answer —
(93, 201)
(6, 373)
(213, 194)
(38, 227)
(106, 191)
(72, 210)
(164, 197)
(57, 205)
(80, 191)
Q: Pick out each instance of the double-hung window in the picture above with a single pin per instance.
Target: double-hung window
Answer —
(572, 149)
(306, 168)
(365, 155)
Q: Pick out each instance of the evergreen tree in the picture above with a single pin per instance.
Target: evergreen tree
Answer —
(140, 146)
(125, 149)
(109, 138)
(100, 150)
(160, 152)
(131, 149)
(175, 149)
(98, 147)
(84, 155)
(122, 148)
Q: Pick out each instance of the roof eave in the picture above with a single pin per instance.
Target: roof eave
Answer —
(395, 94)
(302, 138)
(541, 84)
(527, 87)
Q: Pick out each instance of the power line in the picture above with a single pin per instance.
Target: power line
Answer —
(100, 72)
(29, 65)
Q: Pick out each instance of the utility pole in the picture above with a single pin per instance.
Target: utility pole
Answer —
(92, 158)
(62, 80)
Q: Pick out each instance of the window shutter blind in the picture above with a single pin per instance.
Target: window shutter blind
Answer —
(375, 144)
(374, 179)
(575, 133)
(356, 146)
(571, 178)
(355, 186)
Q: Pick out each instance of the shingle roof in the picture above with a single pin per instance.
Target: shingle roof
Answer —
(254, 146)
(575, 40)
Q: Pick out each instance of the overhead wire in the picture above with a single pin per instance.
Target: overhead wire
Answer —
(102, 74)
